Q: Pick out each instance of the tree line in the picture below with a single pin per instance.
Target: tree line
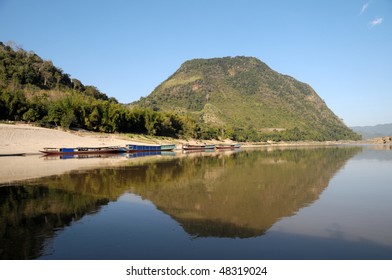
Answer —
(75, 110)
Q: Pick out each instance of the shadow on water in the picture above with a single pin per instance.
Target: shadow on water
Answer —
(226, 195)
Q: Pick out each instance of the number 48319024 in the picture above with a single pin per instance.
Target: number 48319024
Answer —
(233, 270)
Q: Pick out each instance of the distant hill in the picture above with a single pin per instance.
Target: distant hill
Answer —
(375, 131)
(22, 70)
(246, 99)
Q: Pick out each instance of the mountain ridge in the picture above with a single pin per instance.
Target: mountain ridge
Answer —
(373, 131)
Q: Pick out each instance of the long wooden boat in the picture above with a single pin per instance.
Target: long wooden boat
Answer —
(188, 147)
(82, 150)
(81, 156)
(149, 148)
(228, 146)
(13, 155)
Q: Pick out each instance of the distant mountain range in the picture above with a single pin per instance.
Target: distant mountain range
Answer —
(245, 96)
(375, 131)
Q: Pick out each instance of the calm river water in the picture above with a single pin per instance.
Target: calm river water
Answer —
(275, 203)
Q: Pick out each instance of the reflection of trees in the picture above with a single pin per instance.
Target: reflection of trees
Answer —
(226, 195)
(30, 215)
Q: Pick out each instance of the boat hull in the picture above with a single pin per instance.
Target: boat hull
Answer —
(146, 148)
(81, 150)
(188, 147)
(228, 147)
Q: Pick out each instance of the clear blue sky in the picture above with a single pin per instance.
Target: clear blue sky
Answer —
(343, 49)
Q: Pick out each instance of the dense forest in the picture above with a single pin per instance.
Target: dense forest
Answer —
(34, 90)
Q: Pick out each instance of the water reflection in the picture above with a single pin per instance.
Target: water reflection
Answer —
(31, 214)
(241, 195)
(235, 195)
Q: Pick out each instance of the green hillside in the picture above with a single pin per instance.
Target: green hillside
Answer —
(34, 90)
(244, 99)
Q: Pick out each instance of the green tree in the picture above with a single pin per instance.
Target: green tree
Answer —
(31, 115)
(151, 121)
(14, 103)
(77, 85)
(94, 119)
(57, 76)
(46, 70)
(55, 113)
(67, 118)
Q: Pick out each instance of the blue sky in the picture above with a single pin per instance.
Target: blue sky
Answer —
(343, 49)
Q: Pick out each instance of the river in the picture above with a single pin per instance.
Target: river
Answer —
(267, 203)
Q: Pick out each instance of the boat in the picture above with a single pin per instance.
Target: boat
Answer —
(189, 147)
(81, 156)
(228, 146)
(130, 148)
(82, 150)
(13, 155)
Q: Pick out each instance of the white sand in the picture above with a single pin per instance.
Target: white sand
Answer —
(29, 139)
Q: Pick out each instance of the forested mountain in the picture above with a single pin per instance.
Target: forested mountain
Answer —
(380, 130)
(246, 100)
(34, 90)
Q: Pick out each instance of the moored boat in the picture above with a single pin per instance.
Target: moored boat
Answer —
(189, 147)
(228, 146)
(81, 156)
(13, 155)
(149, 148)
(82, 150)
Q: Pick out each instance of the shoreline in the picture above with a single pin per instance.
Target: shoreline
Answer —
(21, 160)
(25, 139)
(29, 140)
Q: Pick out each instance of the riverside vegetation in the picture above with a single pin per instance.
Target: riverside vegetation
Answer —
(238, 98)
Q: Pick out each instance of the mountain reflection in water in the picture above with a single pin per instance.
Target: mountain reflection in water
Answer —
(241, 195)
(232, 195)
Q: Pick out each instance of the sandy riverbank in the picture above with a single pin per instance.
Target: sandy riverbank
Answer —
(23, 138)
